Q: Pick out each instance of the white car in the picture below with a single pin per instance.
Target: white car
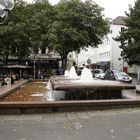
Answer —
(98, 73)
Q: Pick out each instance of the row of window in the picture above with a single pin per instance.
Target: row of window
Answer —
(104, 54)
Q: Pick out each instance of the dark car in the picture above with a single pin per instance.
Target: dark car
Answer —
(117, 75)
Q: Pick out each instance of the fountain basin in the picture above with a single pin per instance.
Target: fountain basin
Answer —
(77, 89)
(64, 83)
(41, 106)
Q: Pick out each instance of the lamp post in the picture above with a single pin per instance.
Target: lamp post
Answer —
(34, 70)
(5, 7)
(34, 57)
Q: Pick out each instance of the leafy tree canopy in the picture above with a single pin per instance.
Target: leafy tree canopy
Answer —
(71, 25)
(77, 25)
(130, 37)
(26, 29)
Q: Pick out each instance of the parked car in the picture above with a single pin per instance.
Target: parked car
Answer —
(117, 75)
(98, 73)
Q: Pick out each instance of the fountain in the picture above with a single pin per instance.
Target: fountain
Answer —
(84, 87)
(68, 91)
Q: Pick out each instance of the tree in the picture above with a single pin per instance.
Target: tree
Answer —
(13, 38)
(26, 29)
(37, 26)
(4, 43)
(77, 26)
(130, 36)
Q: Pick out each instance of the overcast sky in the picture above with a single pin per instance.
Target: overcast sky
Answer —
(113, 8)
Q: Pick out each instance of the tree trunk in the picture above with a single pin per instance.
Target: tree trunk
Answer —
(64, 62)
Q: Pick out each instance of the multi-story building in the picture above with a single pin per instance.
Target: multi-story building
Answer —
(108, 54)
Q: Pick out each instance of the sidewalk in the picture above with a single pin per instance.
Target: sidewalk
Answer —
(8, 88)
(116, 124)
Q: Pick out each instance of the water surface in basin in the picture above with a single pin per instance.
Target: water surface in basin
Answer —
(31, 91)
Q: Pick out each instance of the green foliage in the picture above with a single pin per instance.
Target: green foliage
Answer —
(71, 25)
(77, 26)
(130, 37)
(26, 29)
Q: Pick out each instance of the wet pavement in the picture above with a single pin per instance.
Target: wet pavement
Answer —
(111, 124)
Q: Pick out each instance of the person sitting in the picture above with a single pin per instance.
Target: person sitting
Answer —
(8, 80)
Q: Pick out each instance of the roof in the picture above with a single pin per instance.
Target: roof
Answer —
(119, 20)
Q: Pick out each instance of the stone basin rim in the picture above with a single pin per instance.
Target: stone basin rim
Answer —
(39, 104)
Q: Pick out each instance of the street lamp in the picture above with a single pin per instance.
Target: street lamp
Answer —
(34, 70)
(34, 57)
(5, 6)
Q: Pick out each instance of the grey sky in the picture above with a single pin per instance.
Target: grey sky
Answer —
(113, 8)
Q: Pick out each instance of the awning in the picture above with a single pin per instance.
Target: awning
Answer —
(17, 66)
(102, 63)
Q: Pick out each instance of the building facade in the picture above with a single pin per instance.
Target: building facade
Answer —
(108, 54)
(45, 62)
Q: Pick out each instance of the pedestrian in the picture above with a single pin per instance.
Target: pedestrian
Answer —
(61, 71)
(39, 75)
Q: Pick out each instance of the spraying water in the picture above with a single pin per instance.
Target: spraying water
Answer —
(49, 95)
(72, 72)
(53, 95)
(49, 85)
(86, 75)
(66, 73)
